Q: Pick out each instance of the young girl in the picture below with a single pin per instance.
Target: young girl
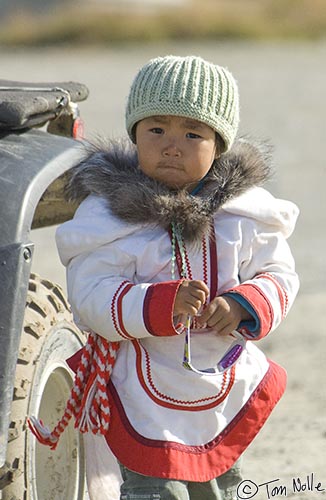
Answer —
(175, 256)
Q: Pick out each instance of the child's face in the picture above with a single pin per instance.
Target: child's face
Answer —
(174, 150)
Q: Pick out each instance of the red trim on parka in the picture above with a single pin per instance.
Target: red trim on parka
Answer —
(166, 401)
(117, 319)
(213, 263)
(261, 305)
(282, 293)
(194, 463)
(158, 308)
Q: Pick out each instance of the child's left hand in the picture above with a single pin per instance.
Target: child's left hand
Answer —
(223, 314)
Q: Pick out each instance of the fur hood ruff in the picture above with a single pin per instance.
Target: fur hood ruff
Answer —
(112, 172)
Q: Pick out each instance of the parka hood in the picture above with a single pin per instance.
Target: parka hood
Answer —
(113, 172)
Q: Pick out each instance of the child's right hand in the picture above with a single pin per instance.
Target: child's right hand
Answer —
(191, 296)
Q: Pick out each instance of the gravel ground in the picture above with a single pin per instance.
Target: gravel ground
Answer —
(282, 87)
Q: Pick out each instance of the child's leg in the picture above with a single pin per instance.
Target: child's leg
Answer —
(228, 482)
(204, 491)
(223, 487)
(138, 487)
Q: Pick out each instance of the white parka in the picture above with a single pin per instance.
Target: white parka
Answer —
(182, 425)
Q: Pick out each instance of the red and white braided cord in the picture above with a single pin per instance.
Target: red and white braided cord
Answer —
(88, 401)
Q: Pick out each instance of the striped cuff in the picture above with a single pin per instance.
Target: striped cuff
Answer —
(158, 308)
(260, 305)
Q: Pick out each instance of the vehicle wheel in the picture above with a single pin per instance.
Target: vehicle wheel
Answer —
(42, 387)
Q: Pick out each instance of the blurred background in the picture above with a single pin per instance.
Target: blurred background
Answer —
(276, 50)
(37, 22)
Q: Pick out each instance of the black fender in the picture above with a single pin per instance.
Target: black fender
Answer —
(29, 163)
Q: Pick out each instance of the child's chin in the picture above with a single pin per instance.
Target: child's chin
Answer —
(176, 187)
(171, 184)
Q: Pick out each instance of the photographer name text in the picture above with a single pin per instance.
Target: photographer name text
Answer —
(274, 488)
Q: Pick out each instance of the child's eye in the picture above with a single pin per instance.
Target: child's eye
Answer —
(192, 135)
(157, 130)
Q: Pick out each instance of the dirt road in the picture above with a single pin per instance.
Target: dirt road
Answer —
(282, 90)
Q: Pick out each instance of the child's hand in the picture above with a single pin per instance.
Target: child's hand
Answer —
(191, 296)
(224, 315)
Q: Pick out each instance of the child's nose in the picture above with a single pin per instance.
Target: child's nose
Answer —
(171, 149)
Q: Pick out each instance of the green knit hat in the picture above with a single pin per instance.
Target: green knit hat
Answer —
(185, 86)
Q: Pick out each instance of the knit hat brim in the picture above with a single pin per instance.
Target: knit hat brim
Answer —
(189, 87)
(219, 125)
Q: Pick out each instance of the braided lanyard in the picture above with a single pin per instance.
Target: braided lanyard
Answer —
(236, 348)
(176, 238)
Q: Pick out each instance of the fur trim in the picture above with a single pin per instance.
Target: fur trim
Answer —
(112, 172)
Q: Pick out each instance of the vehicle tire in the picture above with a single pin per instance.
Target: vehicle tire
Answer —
(42, 387)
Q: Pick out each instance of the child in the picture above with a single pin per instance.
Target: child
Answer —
(176, 243)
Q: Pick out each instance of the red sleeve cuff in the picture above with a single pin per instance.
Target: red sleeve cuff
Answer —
(261, 305)
(158, 308)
